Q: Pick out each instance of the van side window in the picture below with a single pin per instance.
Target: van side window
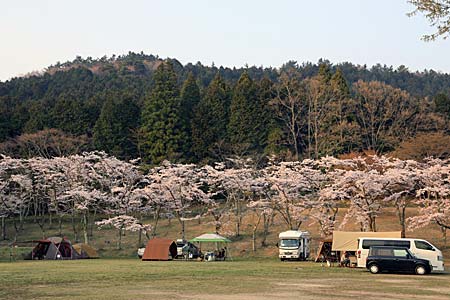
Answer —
(381, 252)
(366, 244)
(400, 253)
(423, 245)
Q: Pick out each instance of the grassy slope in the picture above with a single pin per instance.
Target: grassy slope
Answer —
(106, 239)
(241, 279)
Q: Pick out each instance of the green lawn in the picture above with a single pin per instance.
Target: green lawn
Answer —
(252, 279)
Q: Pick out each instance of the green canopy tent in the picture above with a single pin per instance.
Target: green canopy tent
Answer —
(217, 239)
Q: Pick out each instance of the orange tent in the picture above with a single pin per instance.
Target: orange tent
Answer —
(160, 249)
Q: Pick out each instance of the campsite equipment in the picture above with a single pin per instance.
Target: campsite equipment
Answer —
(294, 245)
(348, 241)
(160, 249)
(140, 252)
(53, 248)
(324, 253)
(186, 249)
(85, 251)
(219, 254)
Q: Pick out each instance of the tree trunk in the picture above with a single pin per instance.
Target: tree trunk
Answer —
(60, 226)
(316, 139)
(41, 224)
(74, 228)
(85, 228)
(156, 218)
(266, 224)
(183, 229)
(119, 242)
(217, 223)
(50, 220)
(16, 229)
(91, 227)
(140, 238)
(238, 215)
(401, 213)
(372, 224)
(255, 228)
(21, 220)
(3, 228)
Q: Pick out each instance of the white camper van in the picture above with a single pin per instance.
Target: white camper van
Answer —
(294, 245)
(419, 248)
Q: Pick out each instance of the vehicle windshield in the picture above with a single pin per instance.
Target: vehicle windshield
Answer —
(289, 243)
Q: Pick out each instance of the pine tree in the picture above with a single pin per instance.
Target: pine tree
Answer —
(324, 73)
(210, 119)
(245, 116)
(162, 131)
(267, 121)
(114, 129)
(343, 128)
(442, 103)
(190, 97)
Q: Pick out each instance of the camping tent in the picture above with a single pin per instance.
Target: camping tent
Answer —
(324, 252)
(214, 238)
(348, 240)
(211, 237)
(85, 251)
(53, 248)
(160, 249)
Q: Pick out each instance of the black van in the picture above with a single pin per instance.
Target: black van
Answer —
(396, 259)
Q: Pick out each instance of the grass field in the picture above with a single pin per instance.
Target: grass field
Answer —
(251, 279)
(120, 275)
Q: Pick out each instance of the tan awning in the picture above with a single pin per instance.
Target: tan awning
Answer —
(348, 240)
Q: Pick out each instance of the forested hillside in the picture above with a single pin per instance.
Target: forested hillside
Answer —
(139, 105)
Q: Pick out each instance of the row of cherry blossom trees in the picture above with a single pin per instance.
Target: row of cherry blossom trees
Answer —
(97, 190)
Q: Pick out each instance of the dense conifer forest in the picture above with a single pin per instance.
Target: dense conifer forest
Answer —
(139, 105)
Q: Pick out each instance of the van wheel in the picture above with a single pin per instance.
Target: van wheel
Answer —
(374, 269)
(420, 270)
(282, 259)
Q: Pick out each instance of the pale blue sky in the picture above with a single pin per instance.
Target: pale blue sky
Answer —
(38, 33)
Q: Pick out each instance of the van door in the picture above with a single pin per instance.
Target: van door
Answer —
(402, 262)
(361, 254)
(424, 250)
(363, 250)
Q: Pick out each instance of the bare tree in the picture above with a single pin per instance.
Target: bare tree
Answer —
(385, 114)
(289, 105)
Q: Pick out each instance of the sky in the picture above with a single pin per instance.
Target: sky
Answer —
(37, 33)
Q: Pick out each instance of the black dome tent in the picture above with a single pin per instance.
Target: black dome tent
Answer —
(53, 248)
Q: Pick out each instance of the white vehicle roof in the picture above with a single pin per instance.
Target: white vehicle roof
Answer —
(293, 234)
(394, 239)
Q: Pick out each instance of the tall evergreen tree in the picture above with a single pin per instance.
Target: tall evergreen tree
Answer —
(442, 103)
(210, 119)
(115, 128)
(162, 131)
(343, 125)
(245, 116)
(190, 97)
(324, 73)
(267, 122)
